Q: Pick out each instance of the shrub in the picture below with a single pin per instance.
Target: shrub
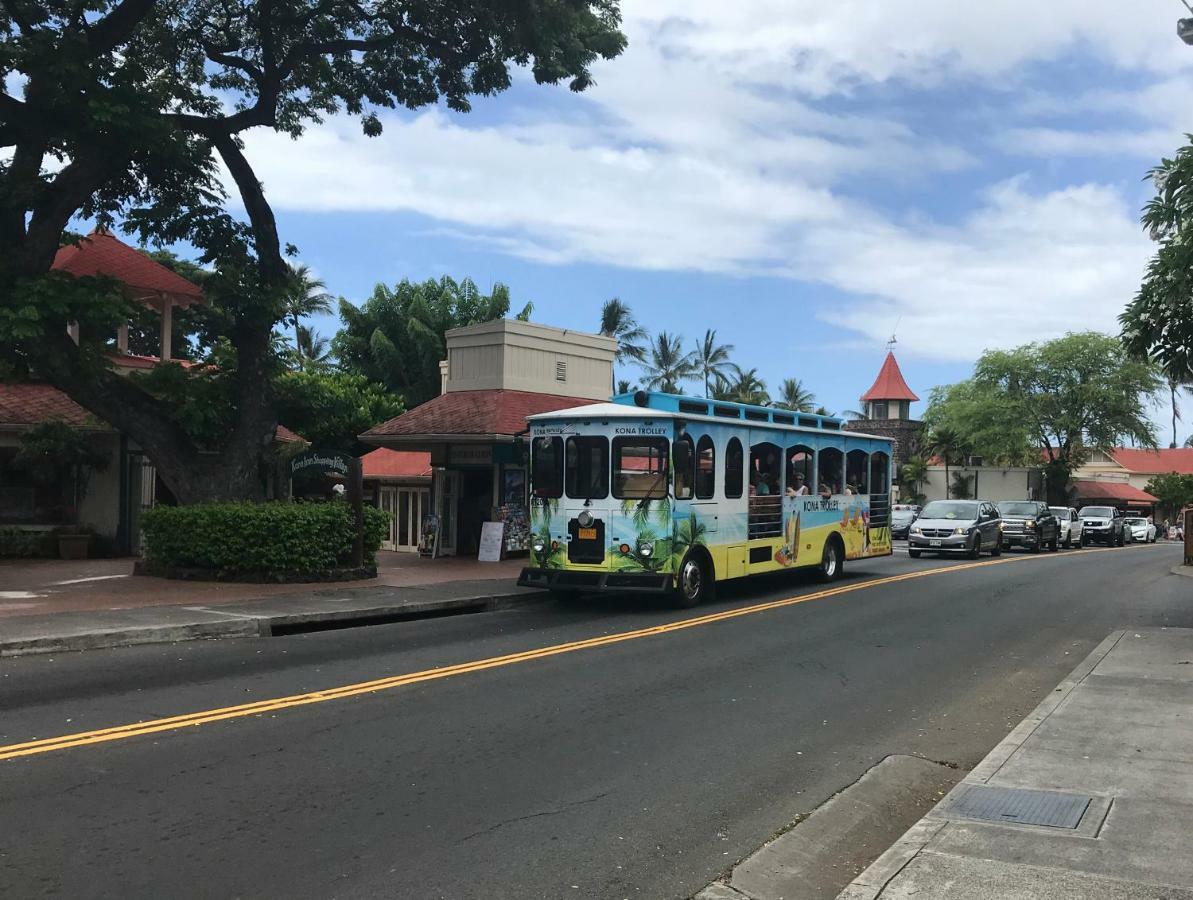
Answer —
(268, 538)
(16, 543)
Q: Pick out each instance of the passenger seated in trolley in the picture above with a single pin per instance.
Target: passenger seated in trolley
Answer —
(798, 488)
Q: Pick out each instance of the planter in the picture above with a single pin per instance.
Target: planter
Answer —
(73, 546)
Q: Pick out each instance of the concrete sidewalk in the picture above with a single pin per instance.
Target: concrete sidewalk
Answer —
(329, 606)
(1112, 748)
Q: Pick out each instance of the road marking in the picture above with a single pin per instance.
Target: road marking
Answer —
(90, 578)
(204, 717)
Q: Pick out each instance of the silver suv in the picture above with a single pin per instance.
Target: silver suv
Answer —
(956, 526)
(1101, 525)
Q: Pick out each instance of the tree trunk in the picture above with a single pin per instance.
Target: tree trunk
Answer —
(946, 479)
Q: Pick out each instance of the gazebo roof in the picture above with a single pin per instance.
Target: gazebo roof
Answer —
(101, 253)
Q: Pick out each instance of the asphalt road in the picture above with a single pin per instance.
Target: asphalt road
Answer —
(636, 767)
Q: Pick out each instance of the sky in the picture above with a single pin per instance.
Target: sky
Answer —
(806, 178)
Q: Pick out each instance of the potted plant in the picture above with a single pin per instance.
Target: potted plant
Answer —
(56, 454)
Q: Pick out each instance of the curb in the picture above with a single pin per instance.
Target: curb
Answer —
(874, 880)
(1183, 571)
(240, 625)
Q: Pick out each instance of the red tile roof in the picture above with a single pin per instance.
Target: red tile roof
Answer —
(286, 436)
(1155, 462)
(133, 361)
(473, 413)
(33, 404)
(386, 463)
(101, 253)
(889, 385)
(1112, 490)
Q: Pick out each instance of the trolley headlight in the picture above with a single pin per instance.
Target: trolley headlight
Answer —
(646, 547)
(584, 520)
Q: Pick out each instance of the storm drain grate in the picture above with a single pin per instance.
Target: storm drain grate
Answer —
(1023, 807)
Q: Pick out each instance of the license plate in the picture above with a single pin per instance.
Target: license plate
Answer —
(587, 534)
(933, 543)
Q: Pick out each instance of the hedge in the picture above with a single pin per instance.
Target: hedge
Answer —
(277, 538)
(20, 544)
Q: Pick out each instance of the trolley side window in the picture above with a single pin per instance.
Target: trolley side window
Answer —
(735, 466)
(639, 468)
(546, 466)
(588, 468)
(706, 468)
(683, 458)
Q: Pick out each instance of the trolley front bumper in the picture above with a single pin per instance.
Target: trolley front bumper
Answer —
(604, 582)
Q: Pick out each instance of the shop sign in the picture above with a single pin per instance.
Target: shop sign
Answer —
(470, 455)
(316, 461)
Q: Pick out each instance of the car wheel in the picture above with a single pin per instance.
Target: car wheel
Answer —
(976, 550)
(1037, 546)
(1069, 540)
(1055, 545)
(1122, 540)
(695, 583)
(914, 554)
(832, 561)
(996, 550)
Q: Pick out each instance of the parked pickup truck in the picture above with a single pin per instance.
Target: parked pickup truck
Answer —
(1070, 525)
(1102, 525)
(1030, 524)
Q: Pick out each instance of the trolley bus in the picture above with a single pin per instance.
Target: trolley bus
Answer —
(669, 494)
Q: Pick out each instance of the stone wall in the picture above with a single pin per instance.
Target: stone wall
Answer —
(904, 433)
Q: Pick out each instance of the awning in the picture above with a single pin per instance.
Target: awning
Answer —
(1113, 490)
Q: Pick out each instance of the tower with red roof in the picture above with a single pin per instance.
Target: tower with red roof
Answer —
(886, 411)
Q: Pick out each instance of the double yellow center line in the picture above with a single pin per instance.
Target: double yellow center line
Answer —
(205, 717)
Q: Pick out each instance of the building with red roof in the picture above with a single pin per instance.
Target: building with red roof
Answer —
(886, 411)
(495, 375)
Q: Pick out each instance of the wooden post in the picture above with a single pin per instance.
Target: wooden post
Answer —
(167, 329)
(356, 493)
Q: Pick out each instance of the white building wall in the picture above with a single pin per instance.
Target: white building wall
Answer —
(991, 483)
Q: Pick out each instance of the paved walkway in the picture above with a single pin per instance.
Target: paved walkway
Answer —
(47, 587)
(1112, 747)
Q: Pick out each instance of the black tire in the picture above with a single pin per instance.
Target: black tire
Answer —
(695, 584)
(914, 554)
(1055, 545)
(996, 550)
(1037, 546)
(1121, 542)
(1069, 541)
(976, 550)
(832, 560)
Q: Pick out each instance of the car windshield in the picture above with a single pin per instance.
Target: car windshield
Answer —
(1018, 508)
(902, 515)
(1097, 512)
(1061, 512)
(1136, 522)
(950, 509)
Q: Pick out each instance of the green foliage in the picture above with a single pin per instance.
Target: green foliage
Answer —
(1062, 397)
(911, 478)
(201, 400)
(961, 486)
(712, 359)
(1174, 491)
(667, 366)
(265, 538)
(745, 387)
(55, 452)
(16, 543)
(618, 322)
(330, 408)
(397, 337)
(794, 396)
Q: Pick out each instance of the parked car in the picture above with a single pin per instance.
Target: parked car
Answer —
(1102, 525)
(1070, 525)
(956, 526)
(1139, 529)
(902, 515)
(1030, 524)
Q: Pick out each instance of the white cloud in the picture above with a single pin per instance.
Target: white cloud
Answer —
(1022, 267)
(718, 143)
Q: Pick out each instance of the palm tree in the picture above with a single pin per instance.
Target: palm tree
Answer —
(625, 387)
(712, 359)
(305, 297)
(794, 396)
(310, 349)
(746, 387)
(668, 365)
(618, 322)
(1174, 387)
(949, 445)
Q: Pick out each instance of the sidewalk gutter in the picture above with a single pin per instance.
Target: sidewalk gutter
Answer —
(1113, 743)
(277, 615)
